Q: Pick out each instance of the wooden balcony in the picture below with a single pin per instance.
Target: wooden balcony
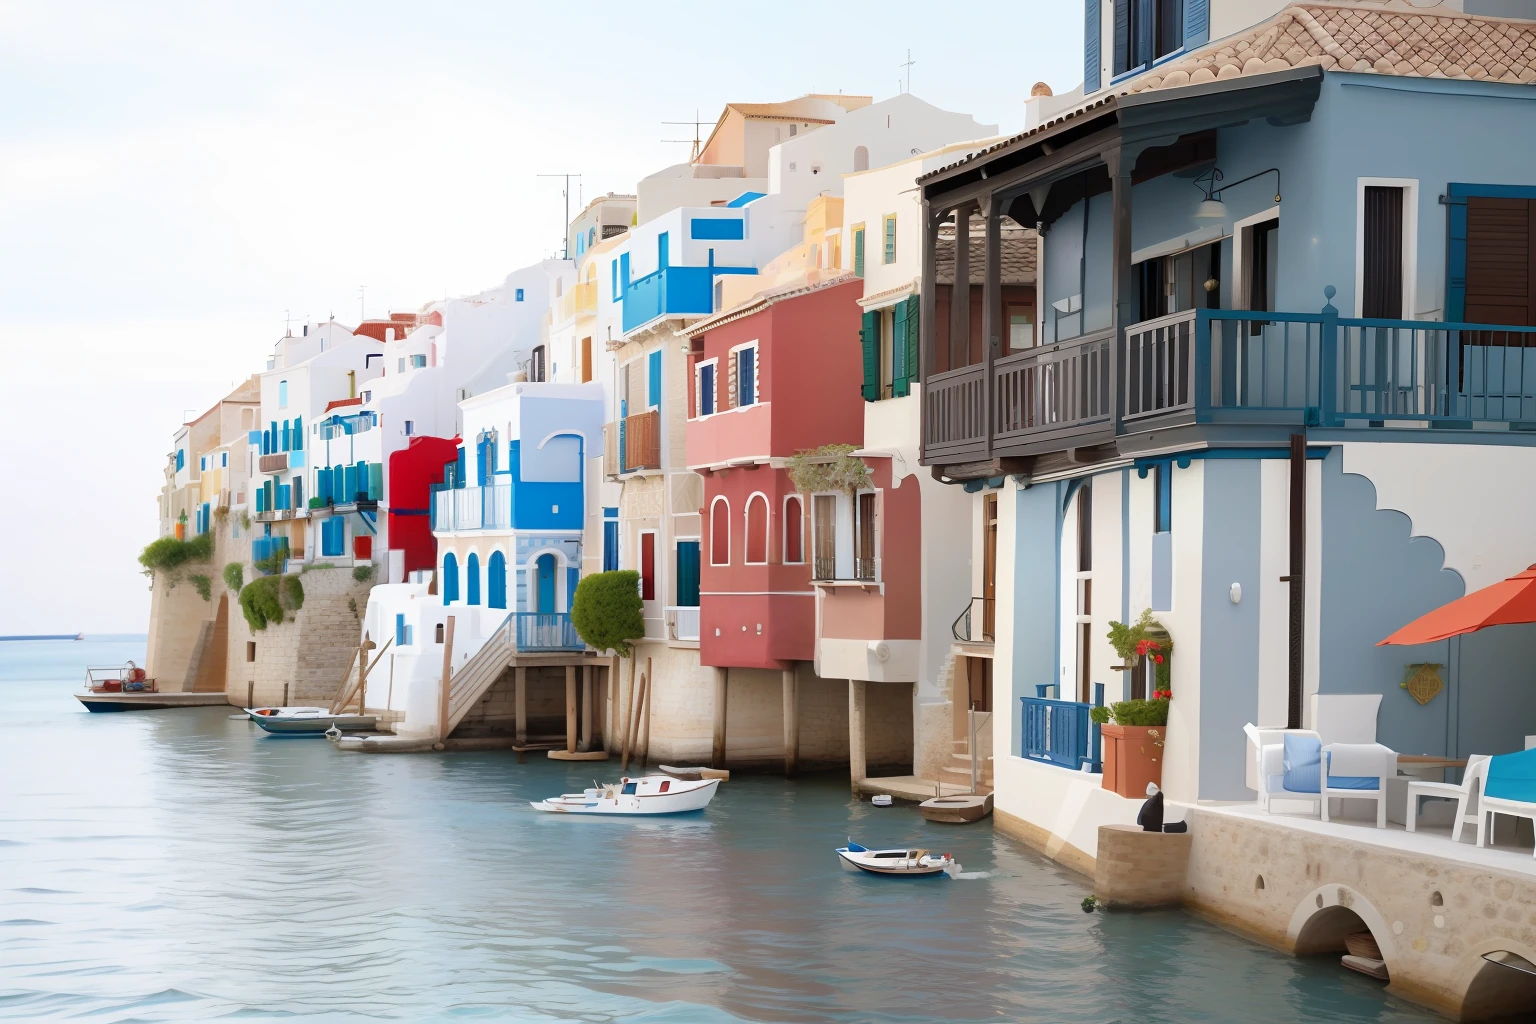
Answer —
(640, 441)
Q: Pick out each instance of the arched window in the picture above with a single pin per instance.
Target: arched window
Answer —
(720, 532)
(472, 570)
(496, 580)
(450, 587)
(860, 158)
(757, 530)
(794, 531)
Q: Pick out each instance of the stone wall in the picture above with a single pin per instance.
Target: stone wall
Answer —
(184, 637)
(495, 714)
(306, 656)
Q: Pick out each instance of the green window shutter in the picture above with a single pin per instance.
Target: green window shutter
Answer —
(889, 254)
(900, 373)
(871, 338)
(914, 370)
(858, 253)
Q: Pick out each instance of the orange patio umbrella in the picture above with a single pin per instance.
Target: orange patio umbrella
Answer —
(1506, 603)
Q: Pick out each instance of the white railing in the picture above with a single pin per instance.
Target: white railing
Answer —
(683, 622)
(474, 508)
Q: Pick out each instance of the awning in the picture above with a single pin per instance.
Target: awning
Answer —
(1507, 603)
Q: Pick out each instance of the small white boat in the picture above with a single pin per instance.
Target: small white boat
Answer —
(960, 808)
(895, 862)
(695, 774)
(650, 794)
(308, 721)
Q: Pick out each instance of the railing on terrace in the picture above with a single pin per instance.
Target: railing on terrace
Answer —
(547, 631)
(865, 568)
(611, 465)
(683, 622)
(824, 567)
(1236, 366)
(473, 508)
(974, 625)
(272, 463)
(1060, 732)
(580, 300)
(640, 441)
(675, 291)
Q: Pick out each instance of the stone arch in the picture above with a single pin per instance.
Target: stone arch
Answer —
(1491, 991)
(1328, 913)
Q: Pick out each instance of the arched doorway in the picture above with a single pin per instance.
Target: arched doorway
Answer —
(544, 584)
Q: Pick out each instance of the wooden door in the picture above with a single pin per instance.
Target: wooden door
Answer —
(989, 570)
(979, 678)
(1501, 274)
(546, 583)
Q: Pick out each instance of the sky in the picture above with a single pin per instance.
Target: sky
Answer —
(176, 180)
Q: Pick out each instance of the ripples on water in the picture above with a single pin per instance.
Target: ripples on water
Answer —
(177, 865)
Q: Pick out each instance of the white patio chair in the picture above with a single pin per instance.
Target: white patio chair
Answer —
(1515, 808)
(1345, 717)
(1350, 767)
(1466, 793)
(1269, 767)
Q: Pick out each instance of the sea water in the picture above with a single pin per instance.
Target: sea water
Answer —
(178, 865)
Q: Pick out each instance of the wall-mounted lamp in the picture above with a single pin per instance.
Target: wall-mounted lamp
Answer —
(1211, 207)
(1235, 592)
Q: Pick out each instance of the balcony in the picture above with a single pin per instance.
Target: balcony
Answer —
(1060, 732)
(639, 441)
(472, 508)
(673, 291)
(683, 623)
(1234, 367)
(546, 631)
(581, 300)
(277, 463)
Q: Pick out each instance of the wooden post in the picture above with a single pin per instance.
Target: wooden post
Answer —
(363, 668)
(588, 709)
(285, 695)
(960, 292)
(628, 716)
(520, 703)
(613, 685)
(857, 762)
(570, 709)
(445, 690)
(991, 303)
(791, 721)
(717, 750)
(645, 714)
(636, 700)
(1123, 281)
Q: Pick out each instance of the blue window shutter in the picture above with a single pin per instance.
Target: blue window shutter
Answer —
(1456, 254)
(624, 270)
(399, 630)
(610, 546)
(1197, 23)
(496, 580)
(688, 573)
(746, 376)
(298, 435)
(1123, 41)
(1093, 30)
(653, 379)
(572, 577)
(871, 339)
(707, 390)
(663, 250)
(375, 481)
(472, 579)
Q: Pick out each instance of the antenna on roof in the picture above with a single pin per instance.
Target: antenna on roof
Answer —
(362, 303)
(693, 157)
(565, 252)
(287, 323)
(908, 66)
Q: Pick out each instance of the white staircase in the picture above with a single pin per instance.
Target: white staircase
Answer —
(469, 681)
(958, 771)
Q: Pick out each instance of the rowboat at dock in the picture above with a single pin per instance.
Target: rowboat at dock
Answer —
(308, 721)
(649, 795)
(127, 688)
(915, 863)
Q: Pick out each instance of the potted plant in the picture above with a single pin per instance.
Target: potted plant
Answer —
(1135, 731)
(181, 527)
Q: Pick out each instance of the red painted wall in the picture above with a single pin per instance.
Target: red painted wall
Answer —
(895, 612)
(412, 472)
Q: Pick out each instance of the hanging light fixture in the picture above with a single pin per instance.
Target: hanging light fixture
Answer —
(1211, 207)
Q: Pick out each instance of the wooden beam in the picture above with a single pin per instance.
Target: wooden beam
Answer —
(588, 708)
(991, 306)
(520, 703)
(791, 722)
(444, 690)
(928, 329)
(570, 709)
(647, 695)
(960, 292)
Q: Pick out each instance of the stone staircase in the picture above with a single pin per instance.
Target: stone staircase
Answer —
(470, 680)
(958, 771)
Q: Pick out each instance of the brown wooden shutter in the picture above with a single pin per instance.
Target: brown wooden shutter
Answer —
(1501, 274)
(1382, 253)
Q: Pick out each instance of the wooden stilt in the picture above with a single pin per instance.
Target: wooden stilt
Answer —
(791, 721)
(717, 751)
(588, 708)
(646, 696)
(857, 759)
(628, 716)
(520, 704)
(570, 709)
(444, 691)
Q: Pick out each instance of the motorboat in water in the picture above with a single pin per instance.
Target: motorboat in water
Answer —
(649, 794)
(129, 688)
(304, 721)
(895, 862)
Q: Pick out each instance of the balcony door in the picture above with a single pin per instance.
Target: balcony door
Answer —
(979, 682)
(544, 583)
(824, 535)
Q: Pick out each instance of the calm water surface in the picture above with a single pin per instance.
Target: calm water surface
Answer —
(177, 865)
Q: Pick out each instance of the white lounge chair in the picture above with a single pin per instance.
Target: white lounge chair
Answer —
(1348, 771)
(1358, 771)
(1509, 787)
(1269, 767)
(1466, 793)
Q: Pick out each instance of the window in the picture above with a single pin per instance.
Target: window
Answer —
(223, 460)
(450, 586)
(472, 579)
(824, 536)
(400, 630)
(653, 380)
(410, 428)
(282, 394)
(1381, 253)
(181, 459)
(419, 361)
(250, 650)
(610, 544)
(648, 565)
(1263, 266)
(794, 532)
(757, 530)
(586, 360)
(202, 464)
(858, 250)
(744, 375)
(1145, 31)
(864, 537)
(519, 295)
(688, 574)
(1162, 482)
(439, 633)
(704, 389)
(536, 369)
(1085, 592)
(889, 252)
(861, 158)
(720, 532)
(1172, 284)
(884, 324)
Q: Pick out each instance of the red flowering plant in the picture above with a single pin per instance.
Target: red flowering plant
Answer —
(1146, 638)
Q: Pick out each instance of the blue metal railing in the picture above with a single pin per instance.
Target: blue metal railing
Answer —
(1061, 732)
(673, 290)
(263, 548)
(547, 631)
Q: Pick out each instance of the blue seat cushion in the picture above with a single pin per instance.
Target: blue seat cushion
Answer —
(1303, 764)
(1369, 782)
(1512, 777)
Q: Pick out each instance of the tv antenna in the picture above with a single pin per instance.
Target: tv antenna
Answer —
(565, 252)
(697, 124)
(288, 323)
(362, 302)
(908, 67)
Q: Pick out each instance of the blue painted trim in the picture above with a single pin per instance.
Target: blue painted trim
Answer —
(610, 513)
(1441, 86)
(720, 228)
(1056, 567)
(1072, 487)
(1183, 459)
(744, 199)
(990, 484)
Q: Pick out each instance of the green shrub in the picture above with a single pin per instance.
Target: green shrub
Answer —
(168, 555)
(234, 576)
(317, 502)
(204, 586)
(266, 601)
(362, 573)
(271, 564)
(1133, 712)
(607, 612)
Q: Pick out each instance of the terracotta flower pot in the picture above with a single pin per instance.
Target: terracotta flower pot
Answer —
(181, 531)
(1133, 757)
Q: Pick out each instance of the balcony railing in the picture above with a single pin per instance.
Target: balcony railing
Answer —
(473, 508)
(1237, 367)
(675, 291)
(547, 631)
(865, 569)
(1060, 732)
(683, 622)
(824, 567)
(273, 463)
(975, 624)
(580, 300)
(640, 441)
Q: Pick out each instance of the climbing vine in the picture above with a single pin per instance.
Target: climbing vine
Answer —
(832, 467)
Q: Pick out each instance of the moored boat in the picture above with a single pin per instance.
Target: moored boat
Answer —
(307, 721)
(648, 795)
(957, 809)
(128, 688)
(916, 863)
(696, 774)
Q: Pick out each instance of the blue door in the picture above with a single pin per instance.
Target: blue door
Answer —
(545, 569)
(688, 573)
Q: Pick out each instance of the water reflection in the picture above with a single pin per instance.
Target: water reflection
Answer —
(183, 866)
